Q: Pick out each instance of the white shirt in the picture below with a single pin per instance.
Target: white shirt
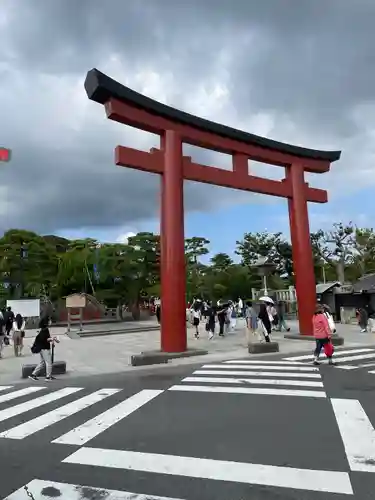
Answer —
(15, 326)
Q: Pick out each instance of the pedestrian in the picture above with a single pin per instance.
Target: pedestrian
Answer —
(222, 316)
(2, 333)
(322, 334)
(233, 319)
(251, 318)
(196, 313)
(264, 321)
(363, 319)
(281, 316)
(18, 334)
(9, 318)
(210, 317)
(42, 345)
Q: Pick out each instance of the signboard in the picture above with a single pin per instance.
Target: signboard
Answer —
(5, 154)
(76, 301)
(28, 308)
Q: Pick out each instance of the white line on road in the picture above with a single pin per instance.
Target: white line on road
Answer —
(35, 403)
(357, 433)
(52, 417)
(354, 358)
(266, 367)
(257, 374)
(217, 470)
(259, 381)
(92, 428)
(77, 492)
(248, 362)
(248, 390)
(18, 394)
(348, 367)
(337, 353)
(371, 371)
(5, 387)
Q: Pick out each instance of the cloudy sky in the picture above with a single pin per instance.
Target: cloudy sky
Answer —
(299, 71)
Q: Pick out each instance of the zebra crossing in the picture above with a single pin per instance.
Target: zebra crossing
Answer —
(284, 377)
(78, 435)
(346, 359)
(250, 377)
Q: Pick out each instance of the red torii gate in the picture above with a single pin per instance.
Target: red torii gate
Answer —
(177, 127)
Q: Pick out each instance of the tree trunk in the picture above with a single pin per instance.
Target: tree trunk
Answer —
(340, 270)
(136, 312)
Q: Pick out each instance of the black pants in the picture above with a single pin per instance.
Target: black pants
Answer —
(222, 325)
(8, 328)
(210, 326)
(320, 345)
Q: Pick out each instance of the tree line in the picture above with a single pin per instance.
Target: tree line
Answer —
(49, 266)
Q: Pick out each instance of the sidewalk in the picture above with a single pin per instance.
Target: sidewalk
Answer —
(111, 354)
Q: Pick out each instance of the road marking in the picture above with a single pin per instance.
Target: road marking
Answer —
(348, 367)
(92, 428)
(337, 353)
(367, 365)
(38, 488)
(217, 470)
(18, 394)
(35, 403)
(257, 374)
(52, 417)
(248, 390)
(266, 367)
(5, 387)
(357, 433)
(371, 371)
(222, 380)
(248, 362)
(353, 358)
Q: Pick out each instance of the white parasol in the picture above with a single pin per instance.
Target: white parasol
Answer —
(266, 299)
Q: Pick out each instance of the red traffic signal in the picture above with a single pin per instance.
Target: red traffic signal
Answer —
(4, 154)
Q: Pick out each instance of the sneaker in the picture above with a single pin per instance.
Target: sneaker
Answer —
(211, 335)
(332, 363)
(316, 363)
(33, 377)
(48, 379)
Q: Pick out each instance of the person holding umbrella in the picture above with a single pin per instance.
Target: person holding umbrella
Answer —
(264, 317)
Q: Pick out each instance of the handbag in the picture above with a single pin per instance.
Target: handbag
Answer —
(35, 349)
(6, 340)
(331, 322)
(329, 349)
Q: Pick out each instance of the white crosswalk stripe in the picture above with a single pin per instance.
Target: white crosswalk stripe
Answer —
(66, 491)
(282, 379)
(346, 359)
(214, 470)
(357, 433)
(78, 435)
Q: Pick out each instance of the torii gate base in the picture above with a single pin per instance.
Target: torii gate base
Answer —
(175, 128)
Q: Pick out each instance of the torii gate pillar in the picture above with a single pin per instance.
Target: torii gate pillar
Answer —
(175, 127)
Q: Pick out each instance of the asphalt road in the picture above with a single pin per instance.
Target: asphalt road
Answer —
(224, 431)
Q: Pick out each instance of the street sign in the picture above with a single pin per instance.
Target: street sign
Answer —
(4, 154)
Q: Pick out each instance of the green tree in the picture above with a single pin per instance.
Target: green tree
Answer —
(270, 245)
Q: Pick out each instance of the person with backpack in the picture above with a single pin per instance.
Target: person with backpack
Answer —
(42, 346)
(18, 334)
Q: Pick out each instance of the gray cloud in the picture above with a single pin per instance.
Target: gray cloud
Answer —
(302, 72)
